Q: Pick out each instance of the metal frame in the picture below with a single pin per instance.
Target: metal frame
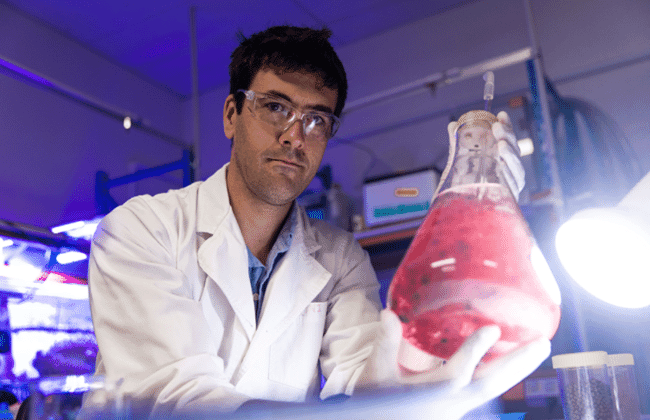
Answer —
(105, 203)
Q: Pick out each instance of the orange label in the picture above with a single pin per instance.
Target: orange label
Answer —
(406, 192)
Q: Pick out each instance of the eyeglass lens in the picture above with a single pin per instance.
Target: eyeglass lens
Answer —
(282, 114)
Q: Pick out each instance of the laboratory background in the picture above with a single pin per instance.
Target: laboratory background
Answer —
(103, 101)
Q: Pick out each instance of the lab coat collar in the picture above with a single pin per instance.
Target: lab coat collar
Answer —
(213, 202)
(214, 206)
(215, 217)
(304, 233)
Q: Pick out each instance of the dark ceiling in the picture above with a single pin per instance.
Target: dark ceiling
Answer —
(152, 38)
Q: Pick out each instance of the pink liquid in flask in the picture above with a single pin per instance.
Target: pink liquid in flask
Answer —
(473, 262)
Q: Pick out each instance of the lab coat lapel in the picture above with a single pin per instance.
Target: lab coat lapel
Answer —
(294, 284)
(223, 255)
(224, 259)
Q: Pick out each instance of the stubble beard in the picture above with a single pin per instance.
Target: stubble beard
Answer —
(266, 183)
(271, 187)
(272, 192)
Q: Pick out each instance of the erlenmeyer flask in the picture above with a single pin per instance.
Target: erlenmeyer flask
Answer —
(473, 262)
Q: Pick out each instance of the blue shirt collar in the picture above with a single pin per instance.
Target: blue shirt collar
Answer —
(259, 273)
(282, 243)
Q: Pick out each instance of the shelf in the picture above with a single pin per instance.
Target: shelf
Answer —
(389, 233)
(387, 244)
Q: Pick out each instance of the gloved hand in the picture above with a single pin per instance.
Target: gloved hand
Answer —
(458, 386)
(509, 152)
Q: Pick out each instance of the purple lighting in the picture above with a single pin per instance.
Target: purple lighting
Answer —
(25, 73)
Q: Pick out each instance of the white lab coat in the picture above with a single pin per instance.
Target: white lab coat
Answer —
(173, 310)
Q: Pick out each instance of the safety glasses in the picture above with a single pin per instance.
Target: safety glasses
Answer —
(282, 114)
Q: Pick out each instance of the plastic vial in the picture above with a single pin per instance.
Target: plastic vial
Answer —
(625, 393)
(584, 385)
(473, 261)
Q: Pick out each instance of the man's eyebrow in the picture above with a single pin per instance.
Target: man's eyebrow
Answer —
(321, 108)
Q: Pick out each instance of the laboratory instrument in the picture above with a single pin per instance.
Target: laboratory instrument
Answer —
(398, 197)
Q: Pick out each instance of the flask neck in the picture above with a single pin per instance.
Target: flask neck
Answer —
(474, 154)
(473, 168)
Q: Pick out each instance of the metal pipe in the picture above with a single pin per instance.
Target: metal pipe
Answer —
(445, 112)
(196, 142)
(96, 104)
(496, 63)
(64, 89)
(546, 128)
(448, 77)
(392, 93)
(548, 149)
(147, 173)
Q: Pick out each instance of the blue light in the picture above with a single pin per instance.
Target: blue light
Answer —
(316, 214)
(5, 341)
(70, 257)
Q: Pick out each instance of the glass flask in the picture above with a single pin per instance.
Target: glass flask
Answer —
(473, 261)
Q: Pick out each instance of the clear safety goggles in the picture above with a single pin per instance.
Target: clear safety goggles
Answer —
(282, 114)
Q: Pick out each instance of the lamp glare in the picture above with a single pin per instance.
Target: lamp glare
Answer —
(606, 253)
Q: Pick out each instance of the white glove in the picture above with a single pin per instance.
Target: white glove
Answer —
(458, 386)
(509, 153)
(512, 169)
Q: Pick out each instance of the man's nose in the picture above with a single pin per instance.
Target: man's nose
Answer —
(294, 134)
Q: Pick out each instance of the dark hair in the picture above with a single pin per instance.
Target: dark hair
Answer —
(288, 48)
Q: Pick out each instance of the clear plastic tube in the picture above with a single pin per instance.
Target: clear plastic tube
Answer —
(488, 90)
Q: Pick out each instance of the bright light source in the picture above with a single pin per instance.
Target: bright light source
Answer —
(86, 231)
(62, 290)
(20, 269)
(606, 252)
(81, 229)
(4, 243)
(68, 257)
(67, 227)
(526, 147)
(127, 123)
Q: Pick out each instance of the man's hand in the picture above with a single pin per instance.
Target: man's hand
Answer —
(509, 153)
(458, 386)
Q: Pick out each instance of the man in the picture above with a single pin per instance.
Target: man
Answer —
(224, 292)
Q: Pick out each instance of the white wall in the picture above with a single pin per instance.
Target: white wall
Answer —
(53, 146)
(214, 146)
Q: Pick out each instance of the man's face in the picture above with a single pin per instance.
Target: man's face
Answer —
(266, 163)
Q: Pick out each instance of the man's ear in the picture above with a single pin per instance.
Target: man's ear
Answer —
(229, 116)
